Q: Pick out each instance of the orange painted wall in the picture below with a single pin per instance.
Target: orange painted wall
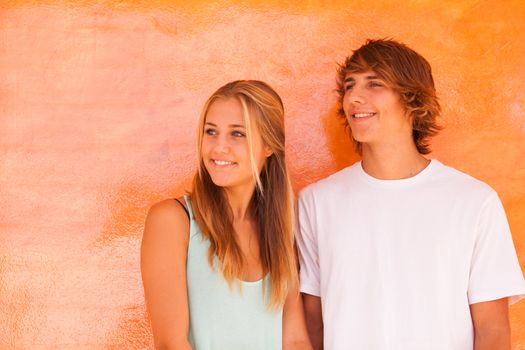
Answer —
(99, 102)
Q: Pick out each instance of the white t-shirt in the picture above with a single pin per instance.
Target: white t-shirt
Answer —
(397, 262)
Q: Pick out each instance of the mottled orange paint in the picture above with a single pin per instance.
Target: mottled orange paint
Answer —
(99, 102)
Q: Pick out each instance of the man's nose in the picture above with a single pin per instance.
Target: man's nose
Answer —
(356, 96)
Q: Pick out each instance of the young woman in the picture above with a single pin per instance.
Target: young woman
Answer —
(218, 267)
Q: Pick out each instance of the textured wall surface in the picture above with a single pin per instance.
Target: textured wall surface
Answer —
(98, 107)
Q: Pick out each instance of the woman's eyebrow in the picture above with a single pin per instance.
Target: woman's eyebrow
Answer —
(231, 125)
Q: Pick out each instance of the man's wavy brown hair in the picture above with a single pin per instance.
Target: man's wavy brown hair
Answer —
(407, 73)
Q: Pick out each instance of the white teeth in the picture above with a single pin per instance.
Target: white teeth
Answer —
(222, 162)
(363, 115)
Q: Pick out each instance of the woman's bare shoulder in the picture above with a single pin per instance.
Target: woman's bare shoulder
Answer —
(168, 210)
(167, 219)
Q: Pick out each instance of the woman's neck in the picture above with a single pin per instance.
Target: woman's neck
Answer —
(239, 200)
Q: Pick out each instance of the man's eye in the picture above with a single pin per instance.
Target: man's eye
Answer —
(375, 84)
(210, 131)
(238, 134)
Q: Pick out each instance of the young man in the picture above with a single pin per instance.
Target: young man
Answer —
(399, 251)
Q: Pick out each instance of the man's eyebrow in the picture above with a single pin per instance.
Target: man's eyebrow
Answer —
(368, 77)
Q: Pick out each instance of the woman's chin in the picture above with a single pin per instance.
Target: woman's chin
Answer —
(221, 182)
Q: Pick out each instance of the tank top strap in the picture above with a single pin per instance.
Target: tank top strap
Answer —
(190, 209)
(194, 227)
(183, 207)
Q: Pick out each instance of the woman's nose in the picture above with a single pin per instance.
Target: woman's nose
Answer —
(221, 145)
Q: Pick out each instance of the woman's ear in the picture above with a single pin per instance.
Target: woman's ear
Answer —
(267, 151)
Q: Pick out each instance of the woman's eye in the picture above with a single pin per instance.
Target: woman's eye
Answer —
(348, 87)
(210, 131)
(238, 134)
(375, 84)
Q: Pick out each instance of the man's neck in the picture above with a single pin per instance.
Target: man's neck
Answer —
(392, 162)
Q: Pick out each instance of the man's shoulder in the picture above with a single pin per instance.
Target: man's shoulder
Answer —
(332, 183)
(461, 182)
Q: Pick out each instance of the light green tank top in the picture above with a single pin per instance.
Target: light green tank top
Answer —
(224, 318)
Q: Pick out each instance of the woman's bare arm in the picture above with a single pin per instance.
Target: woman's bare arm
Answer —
(163, 266)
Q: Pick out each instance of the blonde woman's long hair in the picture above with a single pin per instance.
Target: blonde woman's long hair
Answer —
(271, 204)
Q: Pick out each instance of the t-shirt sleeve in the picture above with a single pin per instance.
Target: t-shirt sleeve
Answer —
(307, 246)
(495, 270)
